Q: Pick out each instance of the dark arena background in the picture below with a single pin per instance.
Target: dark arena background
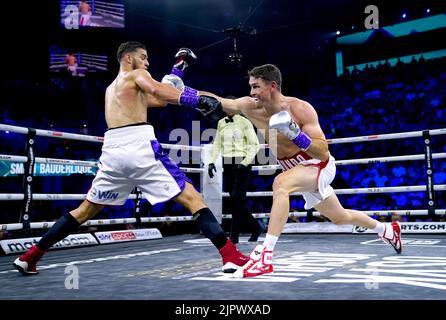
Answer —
(375, 72)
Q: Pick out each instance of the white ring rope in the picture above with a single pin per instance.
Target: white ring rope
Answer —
(388, 136)
(364, 160)
(101, 222)
(389, 159)
(22, 159)
(46, 225)
(181, 147)
(439, 187)
(55, 196)
(376, 137)
(48, 196)
(83, 137)
(52, 134)
(370, 213)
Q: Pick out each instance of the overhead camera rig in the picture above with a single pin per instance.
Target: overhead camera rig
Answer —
(235, 57)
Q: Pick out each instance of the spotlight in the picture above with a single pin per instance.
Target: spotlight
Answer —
(428, 10)
(338, 32)
(404, 15)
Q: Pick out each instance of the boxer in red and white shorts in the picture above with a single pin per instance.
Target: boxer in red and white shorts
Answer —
(304, 155)
(326, 174)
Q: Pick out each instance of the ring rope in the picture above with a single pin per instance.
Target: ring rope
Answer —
(370, 213)
(364, 161)
(100, 222)
(388, 136)
(55, 196)
(22, 159)
(48, 196)
(376, 137)
(439, 187)
(46, 225)
(52, 134)
(389, 159)
(82, 137)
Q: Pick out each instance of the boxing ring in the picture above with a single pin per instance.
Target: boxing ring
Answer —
(314, 265)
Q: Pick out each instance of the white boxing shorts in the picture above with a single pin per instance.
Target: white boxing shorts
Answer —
(326, 174)
(132, 157)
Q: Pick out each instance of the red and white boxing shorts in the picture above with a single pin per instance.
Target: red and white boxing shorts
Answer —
(326, 174)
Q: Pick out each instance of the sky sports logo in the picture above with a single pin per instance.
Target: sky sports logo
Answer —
(127, 235)
(111, 236)
(121, 236)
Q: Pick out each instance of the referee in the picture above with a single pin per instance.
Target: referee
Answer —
(237, 142)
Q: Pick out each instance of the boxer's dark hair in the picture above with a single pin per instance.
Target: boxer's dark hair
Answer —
(127, 47)
(268, 73)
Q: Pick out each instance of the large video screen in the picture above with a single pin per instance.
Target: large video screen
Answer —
(77, 14)
(76, 63)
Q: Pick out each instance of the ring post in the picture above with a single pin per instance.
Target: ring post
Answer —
(137, 210)
(212, 188)
(429, 173)
(28, 178)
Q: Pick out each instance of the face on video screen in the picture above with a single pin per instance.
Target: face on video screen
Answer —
(91, 13)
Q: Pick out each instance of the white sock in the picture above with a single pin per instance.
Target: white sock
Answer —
(380, 228)
(270, 242)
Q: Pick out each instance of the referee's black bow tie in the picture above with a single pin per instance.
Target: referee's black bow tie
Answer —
(229, 120)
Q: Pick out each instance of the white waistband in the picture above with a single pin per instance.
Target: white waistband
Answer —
(287, 164)
(128, 135)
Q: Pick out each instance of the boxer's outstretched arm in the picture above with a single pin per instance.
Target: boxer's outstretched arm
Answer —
(232, 105)
(161, 91)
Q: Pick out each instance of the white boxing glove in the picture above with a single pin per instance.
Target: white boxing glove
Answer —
(174, 81)
(283, 123)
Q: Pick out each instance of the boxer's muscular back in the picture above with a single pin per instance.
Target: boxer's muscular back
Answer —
(125, 103)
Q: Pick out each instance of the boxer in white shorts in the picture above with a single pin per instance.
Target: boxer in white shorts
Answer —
(307, 165)
(132, 157)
